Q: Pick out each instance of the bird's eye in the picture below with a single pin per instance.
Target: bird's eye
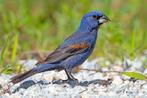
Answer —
(94, 16)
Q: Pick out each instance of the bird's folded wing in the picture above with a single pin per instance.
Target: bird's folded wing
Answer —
(62, 53)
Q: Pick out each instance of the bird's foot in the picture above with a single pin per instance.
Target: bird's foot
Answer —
(72, 82)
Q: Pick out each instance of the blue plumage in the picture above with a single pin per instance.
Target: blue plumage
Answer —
(74, 50)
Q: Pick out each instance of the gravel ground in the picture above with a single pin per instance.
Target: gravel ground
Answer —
(101, 84)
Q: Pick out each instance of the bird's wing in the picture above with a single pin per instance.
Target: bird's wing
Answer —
(62, 53)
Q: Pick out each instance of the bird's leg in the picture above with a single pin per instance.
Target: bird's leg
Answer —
(69, 75)
(71, 80)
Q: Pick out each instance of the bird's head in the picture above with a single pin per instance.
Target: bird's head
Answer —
(93, 20)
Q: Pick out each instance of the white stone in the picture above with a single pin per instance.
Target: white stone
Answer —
(118, 89)
(117, 80)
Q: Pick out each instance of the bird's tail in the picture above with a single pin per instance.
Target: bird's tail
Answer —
(22, 76)
(38, 69)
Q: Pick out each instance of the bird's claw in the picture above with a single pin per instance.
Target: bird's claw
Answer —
(72, 82)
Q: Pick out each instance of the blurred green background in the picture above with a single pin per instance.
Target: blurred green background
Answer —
(41, 25)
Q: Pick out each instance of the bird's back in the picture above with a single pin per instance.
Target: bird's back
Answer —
(89, 38)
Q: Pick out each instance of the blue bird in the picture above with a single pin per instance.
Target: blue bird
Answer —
(73, 51)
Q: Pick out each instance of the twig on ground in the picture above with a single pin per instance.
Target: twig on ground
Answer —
(83, 91)
(101, 71)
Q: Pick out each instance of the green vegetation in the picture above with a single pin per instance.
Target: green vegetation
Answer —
(41, 25)
(135, 75)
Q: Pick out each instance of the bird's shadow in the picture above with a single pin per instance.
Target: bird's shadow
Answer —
(29, 83)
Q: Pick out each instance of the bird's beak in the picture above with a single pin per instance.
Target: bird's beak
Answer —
(104, 19)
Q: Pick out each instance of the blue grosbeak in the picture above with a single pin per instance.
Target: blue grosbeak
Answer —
(73, 51)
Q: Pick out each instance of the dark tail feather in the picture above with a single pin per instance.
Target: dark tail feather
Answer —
(22, 76)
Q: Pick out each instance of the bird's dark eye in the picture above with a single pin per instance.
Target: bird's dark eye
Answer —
(94, 16)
